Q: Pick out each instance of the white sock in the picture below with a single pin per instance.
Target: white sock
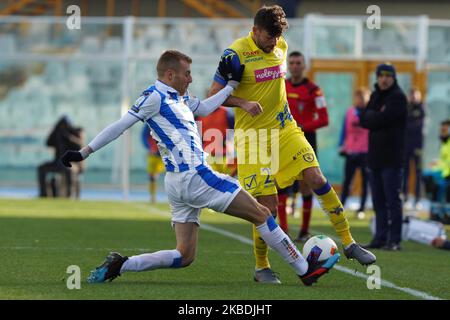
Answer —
(155, 260)
(275, 238)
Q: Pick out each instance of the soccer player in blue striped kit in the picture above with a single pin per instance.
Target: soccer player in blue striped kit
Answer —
(168, 109)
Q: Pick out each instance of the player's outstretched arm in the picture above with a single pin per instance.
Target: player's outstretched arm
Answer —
(232, 77)
(110, 133)
(220, 80)
(252, 107)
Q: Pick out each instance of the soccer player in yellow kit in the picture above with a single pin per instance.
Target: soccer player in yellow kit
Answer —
(263, 52)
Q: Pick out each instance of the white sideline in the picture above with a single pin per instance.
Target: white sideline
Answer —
(412, 292)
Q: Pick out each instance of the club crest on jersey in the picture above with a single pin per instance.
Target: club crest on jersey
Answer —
(309, 157)
(278, 52)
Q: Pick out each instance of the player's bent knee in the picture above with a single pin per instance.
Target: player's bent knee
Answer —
(315, 180)
(319, 182)
(187, 256)
(186, 262)
(272, 208)
(263, 214)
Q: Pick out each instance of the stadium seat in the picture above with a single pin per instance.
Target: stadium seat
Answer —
(113, 45)
(8, 44)
(90, 44)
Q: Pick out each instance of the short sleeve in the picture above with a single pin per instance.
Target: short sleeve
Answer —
(146, 106)
(235, 64)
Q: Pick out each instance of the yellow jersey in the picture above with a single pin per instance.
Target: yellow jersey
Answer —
(263, 81)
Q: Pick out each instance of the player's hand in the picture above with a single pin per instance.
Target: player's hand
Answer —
(252, 107)
(71, 156)
(231, 75)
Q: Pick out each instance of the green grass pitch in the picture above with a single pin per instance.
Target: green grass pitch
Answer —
(39, 239)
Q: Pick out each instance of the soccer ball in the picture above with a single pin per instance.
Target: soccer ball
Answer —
(319, 248)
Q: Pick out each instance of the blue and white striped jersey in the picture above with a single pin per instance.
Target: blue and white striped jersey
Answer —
(171, 120)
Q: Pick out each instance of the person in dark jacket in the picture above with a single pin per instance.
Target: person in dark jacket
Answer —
(414, 142)
(385, 117)
(64, 136)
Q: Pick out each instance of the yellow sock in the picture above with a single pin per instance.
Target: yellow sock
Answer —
(152, 189)
(261, 251)
(330, 203)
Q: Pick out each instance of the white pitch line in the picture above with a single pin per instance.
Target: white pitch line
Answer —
(412, 292)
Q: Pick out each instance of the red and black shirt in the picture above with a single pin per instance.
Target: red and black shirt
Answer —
(307, 105)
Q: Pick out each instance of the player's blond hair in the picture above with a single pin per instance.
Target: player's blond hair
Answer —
(170, 59)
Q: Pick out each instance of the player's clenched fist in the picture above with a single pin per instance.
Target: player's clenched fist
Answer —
(232, 75)
(252, 107)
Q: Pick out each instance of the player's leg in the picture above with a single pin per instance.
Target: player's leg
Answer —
(154, 167)
(263, 271)
(307, 194)
(244, 206)
(152, 187)
(182, 256)
(295, 191)
(254, 179)
(331, 204)
(307, 198)
(282, 214)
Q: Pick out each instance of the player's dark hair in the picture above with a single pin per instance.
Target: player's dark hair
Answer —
(170, 59)
(445, 123)
(272, 19)
(295, 54)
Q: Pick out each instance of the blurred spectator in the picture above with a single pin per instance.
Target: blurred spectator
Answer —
(414, 142)
(437, 178)
(155, 165)
(385, 117)
(65, 182)
(441, 243)
(214, 135)
(354, 146)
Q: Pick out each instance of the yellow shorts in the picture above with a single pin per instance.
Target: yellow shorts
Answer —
(155, 164)
(295, 154)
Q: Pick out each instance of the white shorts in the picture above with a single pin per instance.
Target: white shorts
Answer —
(190, 191)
